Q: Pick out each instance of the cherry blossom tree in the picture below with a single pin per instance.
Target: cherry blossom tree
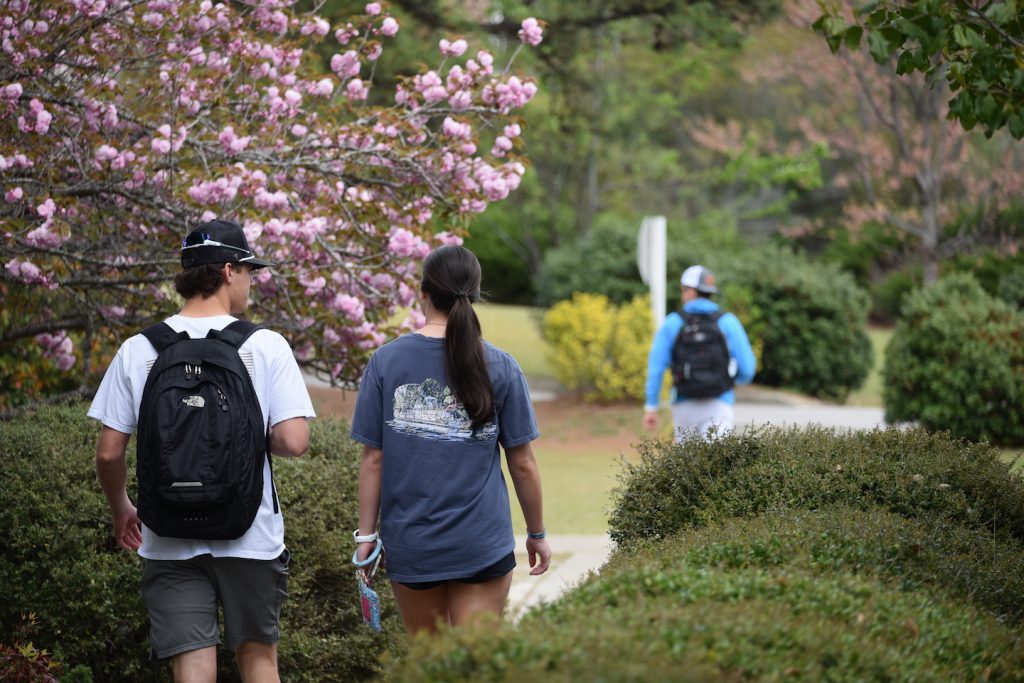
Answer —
(125, 123)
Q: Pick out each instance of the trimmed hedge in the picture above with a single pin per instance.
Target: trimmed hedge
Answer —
(61, 561)
(956, 362)
(911, 472)
(838, 595)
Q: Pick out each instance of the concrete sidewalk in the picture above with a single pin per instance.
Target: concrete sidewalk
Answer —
(574, 557)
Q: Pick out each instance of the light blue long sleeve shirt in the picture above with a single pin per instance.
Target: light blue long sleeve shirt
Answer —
(660, 357)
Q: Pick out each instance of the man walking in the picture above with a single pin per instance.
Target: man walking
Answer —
(708, 352)
(184, 579)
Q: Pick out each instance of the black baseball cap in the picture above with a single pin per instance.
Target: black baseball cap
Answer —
(218, 241)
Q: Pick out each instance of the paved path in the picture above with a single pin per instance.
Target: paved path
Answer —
(576, 556)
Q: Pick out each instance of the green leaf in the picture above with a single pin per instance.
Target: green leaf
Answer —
(852, 37)
(1016, 125)
(879, 47)
(1002, 12)
(905, 64)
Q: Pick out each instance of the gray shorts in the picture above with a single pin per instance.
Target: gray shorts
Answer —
(182, 598)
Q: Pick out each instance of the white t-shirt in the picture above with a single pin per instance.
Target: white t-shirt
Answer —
(282, 395)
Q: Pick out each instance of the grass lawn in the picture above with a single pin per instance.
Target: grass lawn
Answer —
(870, 393)
(1016, 456)
(516, 329)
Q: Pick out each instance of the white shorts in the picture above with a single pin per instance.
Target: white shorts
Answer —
(696, 417)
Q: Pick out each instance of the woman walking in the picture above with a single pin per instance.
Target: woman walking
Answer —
(434, 406)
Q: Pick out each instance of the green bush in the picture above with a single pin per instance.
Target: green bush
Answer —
(1011, 287)
(911, 472)
(956, 362)
(813, 321)
(602, 262)
(839, 595)
(61, 561)
(598, 348)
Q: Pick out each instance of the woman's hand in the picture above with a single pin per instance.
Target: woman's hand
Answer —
(539, 552)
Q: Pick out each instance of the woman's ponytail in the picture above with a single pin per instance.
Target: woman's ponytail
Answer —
(451, 278)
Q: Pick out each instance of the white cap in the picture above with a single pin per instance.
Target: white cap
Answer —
(699, 278)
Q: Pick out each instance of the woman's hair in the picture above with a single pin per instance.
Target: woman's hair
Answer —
(205, 279)
(451, 278)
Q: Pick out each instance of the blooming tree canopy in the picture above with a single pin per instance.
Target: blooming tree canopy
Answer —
(125, 123)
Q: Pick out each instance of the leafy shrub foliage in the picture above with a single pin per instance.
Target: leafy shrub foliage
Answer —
(813, 320)
(602, 262)
(599, 348)
(1011, 287)
(913, 473)
(838, 595)
(956, 362)
(61, 561)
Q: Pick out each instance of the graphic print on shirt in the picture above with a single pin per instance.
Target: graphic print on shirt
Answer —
(431, 411)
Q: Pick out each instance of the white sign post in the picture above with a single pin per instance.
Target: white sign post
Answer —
(650, 259)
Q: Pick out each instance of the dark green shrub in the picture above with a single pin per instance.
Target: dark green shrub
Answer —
(602, 262)
(888, 294)
(913, 473)
(956, 362)
(842, 595)
(61, 562)
(813, 325)
(1011, 287)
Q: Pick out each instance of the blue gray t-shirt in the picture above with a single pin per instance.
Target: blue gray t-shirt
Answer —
(444, 506)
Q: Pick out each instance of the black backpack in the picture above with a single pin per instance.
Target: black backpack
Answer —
(201, 436)
(701, 365)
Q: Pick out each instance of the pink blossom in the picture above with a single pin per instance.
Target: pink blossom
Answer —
(352, 307)
(323, 87)
(501, 145)
(448, 238)
(389, 27)
(402, 243)
(531, 32)
(355, 90)
(11, 91)
(105, 153)
(298, 130)
(513, 131)
(231, 143)
(453, 49)
(461, 100)
(318, 26)
(455, 129)
(373, 9)
(46, 209)
(345, 65)
(13, 195)
(161, 145)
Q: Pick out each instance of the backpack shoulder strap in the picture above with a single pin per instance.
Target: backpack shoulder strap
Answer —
(236, 333)
(161, 335)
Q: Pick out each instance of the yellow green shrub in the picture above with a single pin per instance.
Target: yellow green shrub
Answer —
(598, 348)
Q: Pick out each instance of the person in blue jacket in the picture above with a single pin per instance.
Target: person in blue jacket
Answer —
(697, 416)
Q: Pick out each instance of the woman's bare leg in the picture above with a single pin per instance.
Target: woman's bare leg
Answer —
(422, 610)
(467, 600)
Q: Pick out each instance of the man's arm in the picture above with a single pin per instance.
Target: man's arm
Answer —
(290, 438)
(112, 471)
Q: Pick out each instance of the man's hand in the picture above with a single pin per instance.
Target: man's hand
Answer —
(128, 528)
(650, 420)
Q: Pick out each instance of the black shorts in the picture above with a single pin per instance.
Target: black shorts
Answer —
(499, 568)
